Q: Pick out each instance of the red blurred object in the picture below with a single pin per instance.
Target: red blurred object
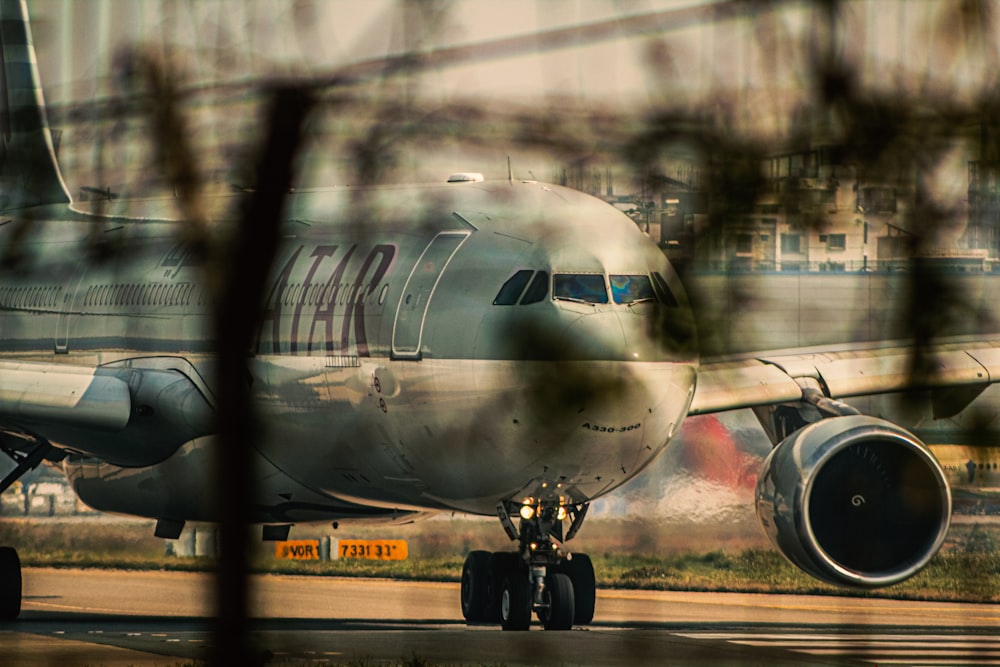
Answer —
(709, 449)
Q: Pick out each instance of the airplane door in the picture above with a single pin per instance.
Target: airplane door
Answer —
(70, 306)
(408, 327)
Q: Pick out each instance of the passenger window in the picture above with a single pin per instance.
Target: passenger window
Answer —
(511, 290)
(580, 287)
(631, 289)
(538, 289)
(663, 291)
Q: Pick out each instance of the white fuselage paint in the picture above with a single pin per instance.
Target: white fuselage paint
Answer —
(385, 375)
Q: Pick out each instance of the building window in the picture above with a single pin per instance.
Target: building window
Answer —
(836, 241)
(878, 199)
(744, 244)
(790, 243)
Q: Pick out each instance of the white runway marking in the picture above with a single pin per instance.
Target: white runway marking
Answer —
(912, 649)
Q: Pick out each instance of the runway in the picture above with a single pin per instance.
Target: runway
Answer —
(101, 617)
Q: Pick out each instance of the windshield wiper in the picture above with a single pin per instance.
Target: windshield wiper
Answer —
(574, 300)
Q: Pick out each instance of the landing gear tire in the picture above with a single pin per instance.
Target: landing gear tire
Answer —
(515, 602)
(10, 584)
(478, 599)
(580, 570)
(504, 563)
(558, 604)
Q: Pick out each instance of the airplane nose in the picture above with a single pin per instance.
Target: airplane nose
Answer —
(595, 336)
(645, 332)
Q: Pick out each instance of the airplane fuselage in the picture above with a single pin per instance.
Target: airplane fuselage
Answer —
(430, 348)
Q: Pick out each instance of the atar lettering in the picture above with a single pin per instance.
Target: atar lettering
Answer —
(322, 311)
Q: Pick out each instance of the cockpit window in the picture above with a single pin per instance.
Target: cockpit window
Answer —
(527, 286)
(663, 291)
(581, 287)
(538, 288)
(631, 289)
(511, 290)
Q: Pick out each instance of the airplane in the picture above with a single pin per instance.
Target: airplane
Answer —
(507, 348)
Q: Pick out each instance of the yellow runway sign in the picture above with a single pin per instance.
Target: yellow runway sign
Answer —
(372, 549)
(298, 550)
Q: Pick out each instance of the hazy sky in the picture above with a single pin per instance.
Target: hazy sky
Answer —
(758, 65)
(894, 42)
(77, 39)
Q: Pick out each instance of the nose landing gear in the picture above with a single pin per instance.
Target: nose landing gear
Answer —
(541, 577)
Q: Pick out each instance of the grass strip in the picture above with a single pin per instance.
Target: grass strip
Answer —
(967, 569)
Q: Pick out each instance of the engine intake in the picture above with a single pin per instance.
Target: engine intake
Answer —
(854, 501)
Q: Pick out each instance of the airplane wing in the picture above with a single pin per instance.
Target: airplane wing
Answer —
(131, 413)
(54, 395)
(68, 395)
(956, 371)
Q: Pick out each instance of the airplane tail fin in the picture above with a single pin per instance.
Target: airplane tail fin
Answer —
(29, 172)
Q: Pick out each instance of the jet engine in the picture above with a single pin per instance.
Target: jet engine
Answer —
(854, 501)
(138, 416)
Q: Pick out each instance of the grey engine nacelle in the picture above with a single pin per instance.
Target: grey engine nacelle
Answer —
(854, 501)
(160, 411)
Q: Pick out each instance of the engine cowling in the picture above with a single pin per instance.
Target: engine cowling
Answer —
(854, 501)
(164, 410)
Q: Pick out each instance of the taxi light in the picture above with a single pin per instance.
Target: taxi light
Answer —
(527, 512)
(561, 514)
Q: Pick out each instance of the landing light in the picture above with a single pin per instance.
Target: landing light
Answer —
(529, 510)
